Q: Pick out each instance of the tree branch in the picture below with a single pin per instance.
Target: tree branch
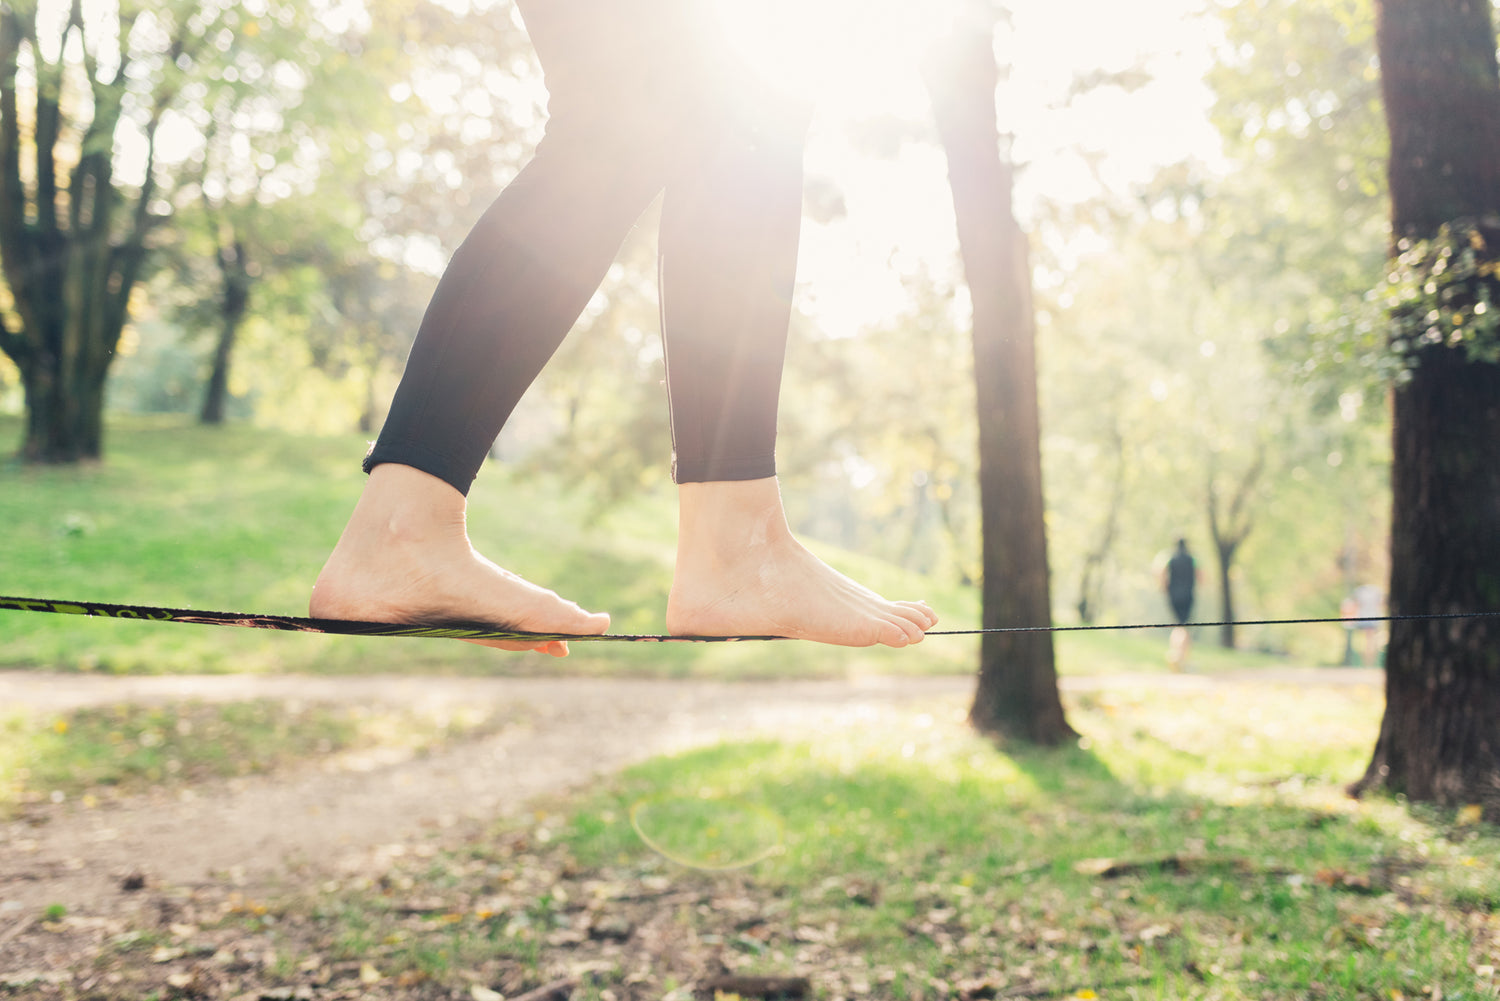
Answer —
(12, 191)
(17, 241)
(49, 86)
(13, 344)
(75, 20)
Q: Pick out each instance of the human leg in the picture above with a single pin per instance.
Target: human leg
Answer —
(1179, 644)
(511, 292)
(729, 238)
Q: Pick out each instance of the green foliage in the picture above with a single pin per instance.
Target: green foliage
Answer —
(1297, 99)
(1442, 293)
(1160, 398)
(878, 440)
(1222, 351)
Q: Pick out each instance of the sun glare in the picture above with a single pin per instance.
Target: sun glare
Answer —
(859, 61)
(854, 58)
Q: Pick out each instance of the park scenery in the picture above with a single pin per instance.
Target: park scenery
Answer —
(1155, 345)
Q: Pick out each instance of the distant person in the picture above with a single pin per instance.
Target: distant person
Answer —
(645, 97)
(1180, 581)
(1362, 612)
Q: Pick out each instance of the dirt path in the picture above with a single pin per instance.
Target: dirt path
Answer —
(566, 732)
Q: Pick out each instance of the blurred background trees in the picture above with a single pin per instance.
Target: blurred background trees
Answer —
(236, 209)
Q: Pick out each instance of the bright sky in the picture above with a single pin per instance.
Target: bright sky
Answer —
(899, 213)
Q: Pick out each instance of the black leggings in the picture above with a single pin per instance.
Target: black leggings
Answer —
(644, 97)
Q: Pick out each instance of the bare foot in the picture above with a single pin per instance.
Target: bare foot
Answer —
(741, 573)
(405, 557)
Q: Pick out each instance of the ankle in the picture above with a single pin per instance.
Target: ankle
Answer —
(404, 504)
(724, 518)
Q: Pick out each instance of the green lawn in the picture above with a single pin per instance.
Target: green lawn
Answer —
(239, 518)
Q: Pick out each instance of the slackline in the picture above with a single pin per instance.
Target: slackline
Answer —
(479, 631)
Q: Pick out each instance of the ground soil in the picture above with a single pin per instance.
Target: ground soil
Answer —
(319, 820)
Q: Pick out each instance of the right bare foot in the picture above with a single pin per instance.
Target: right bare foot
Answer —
(405, 557)
(740, 572)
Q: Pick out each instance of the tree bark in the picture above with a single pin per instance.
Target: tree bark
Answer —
(70, 263)
(1440, 737)
(235, 271)
(1017, 693)
(1229, 529)
(1091, 580)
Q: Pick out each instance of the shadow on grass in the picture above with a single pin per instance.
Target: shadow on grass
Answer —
(939, 850)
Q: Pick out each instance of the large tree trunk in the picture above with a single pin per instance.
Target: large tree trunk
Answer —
(70, 259)
(1017, 693)
(1440, 738)
(64, 413)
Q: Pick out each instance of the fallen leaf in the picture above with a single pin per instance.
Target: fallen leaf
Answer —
(731, 985)
(481, 993)
(368, 974)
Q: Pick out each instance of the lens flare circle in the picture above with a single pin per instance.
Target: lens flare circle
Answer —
(708, 832)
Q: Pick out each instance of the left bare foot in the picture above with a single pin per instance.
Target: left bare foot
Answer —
(740, 572)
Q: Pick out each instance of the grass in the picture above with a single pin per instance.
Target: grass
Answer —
(1184, 850)
(240, 518)
(100, 754)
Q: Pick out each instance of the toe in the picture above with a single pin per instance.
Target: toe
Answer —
(920, 612)
(892, 633)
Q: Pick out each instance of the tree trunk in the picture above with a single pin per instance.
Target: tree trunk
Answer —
(63, 415)
(232, 307)
(1091, 580)
(1440, 737)
(70, 263)
(63, 359)
(1225, 550)
(216, 390)
(1017, 693)
(1229, 529)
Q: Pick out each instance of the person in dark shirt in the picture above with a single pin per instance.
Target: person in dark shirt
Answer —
(645, 97)
(1180, 580)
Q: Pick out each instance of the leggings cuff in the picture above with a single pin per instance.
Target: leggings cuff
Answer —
(456, 473)
(713, 470)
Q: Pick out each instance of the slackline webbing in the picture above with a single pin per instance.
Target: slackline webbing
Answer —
(476, 631)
